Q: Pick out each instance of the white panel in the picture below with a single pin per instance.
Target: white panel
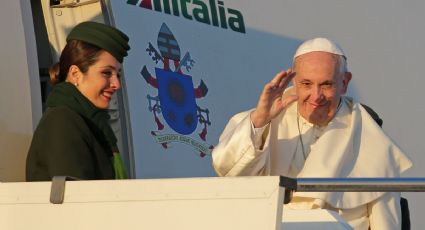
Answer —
(228, 62)
(206, 203)
(20, 98)
(60, 20)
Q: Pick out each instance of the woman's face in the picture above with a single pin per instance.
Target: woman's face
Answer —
(100, 81)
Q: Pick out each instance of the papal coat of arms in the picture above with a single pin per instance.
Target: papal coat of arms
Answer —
(176, 99)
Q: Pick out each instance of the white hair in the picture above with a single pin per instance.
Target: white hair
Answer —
(342, 64)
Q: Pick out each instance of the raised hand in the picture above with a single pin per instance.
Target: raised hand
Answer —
(271, 101)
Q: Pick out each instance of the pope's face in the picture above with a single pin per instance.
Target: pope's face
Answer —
(319, 86)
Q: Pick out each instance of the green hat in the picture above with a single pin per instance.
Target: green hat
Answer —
(103, 36)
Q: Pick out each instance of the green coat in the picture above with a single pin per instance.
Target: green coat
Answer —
(65, 145)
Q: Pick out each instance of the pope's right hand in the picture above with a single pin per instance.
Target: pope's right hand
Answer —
(271, 101)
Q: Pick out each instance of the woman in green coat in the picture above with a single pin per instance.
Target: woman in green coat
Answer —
(74, 137)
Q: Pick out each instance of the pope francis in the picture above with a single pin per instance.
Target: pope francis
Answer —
(311, 129)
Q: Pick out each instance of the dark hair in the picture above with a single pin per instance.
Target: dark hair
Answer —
(79, 53)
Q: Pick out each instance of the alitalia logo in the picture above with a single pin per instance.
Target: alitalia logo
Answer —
(211, 12)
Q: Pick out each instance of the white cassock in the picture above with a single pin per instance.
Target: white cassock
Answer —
(351, 145)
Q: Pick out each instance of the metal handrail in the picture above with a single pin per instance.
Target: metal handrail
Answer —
(405, 184)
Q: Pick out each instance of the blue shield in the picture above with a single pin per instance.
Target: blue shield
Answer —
(177, 99)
